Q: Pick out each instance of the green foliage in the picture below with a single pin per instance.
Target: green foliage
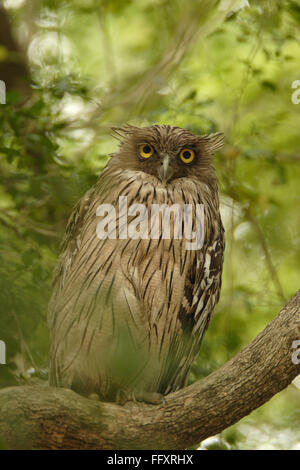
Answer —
(102, 63)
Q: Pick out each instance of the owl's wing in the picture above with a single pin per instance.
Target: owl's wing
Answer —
(94, 311)
(201, 294)
(70, 245)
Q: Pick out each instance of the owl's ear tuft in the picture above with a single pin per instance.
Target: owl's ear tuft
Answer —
(212, 142)
(216, 141)
(120, 133)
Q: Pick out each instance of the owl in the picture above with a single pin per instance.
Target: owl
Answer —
(130, 305)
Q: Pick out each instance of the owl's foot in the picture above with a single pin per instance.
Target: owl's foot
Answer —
(152, 398)
(94, 396)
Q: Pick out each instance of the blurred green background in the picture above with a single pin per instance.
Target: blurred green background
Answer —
(73, 69)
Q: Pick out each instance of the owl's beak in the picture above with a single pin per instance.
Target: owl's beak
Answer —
(165, 170)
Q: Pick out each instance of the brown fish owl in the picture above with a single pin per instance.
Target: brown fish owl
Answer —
(129, 309)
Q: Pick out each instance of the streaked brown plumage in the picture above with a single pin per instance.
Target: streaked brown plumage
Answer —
(128, 316)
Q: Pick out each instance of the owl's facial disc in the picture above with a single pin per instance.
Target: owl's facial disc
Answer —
(165, 170)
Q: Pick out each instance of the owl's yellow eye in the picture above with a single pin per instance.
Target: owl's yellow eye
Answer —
(145, 150)
(187, 155)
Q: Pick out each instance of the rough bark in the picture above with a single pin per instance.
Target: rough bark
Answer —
(40, 417)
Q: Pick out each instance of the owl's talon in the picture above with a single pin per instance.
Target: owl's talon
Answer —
(122, 397)
(152, 398)
(94, 396)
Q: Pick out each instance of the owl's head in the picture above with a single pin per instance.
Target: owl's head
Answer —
(167, 152)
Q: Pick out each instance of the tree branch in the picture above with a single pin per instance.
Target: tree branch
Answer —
(40, 417)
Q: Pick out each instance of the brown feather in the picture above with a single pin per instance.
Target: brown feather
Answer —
(131, 314)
